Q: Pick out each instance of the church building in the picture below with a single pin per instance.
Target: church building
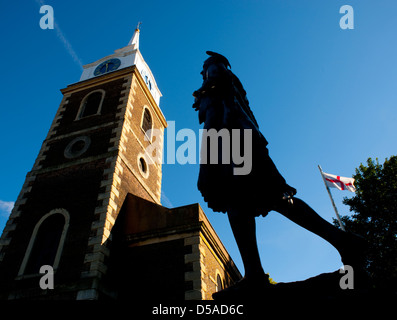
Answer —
(89, 210)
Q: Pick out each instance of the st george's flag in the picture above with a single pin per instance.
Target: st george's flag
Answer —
(341, 183)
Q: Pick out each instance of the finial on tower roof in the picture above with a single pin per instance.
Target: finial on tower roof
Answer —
(135, 38)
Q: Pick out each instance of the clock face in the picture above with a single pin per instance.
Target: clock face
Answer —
(107, 66)
(147, 80)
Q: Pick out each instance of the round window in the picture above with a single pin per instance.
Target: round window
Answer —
(143, 167)
(77, 147)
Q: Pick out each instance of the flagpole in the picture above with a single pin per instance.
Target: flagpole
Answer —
(332, 199)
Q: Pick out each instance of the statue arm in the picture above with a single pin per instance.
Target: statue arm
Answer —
(215, 80)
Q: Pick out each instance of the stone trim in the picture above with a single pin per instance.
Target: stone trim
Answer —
(59, 115)
(106, 212)
(51, 132)
(194, 271)
(108, 200)
(15, 213)
(212, 241)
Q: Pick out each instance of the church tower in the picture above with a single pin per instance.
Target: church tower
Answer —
(104, 143)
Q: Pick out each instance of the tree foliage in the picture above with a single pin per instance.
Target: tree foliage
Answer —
(375, 217)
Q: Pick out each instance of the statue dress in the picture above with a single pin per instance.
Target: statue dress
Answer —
(222, 104)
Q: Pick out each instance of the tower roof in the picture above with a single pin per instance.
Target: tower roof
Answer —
(135, 38)
(123, 58)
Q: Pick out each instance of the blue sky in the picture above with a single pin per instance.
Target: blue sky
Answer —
(321, 95)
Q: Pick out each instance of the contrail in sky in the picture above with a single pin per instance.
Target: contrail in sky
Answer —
(68, 46)
(64, 41)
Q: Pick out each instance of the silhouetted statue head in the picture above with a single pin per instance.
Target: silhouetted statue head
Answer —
(214, 58)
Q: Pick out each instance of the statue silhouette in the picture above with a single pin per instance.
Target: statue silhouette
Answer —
(222, 104)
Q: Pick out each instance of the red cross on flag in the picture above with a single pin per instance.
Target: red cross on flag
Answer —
(339, 182)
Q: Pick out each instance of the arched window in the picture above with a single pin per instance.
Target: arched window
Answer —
(46, 243)
(219, 285)
(147, 123)
(91, 104)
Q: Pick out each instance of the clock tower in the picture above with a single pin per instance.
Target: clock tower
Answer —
(95, 153)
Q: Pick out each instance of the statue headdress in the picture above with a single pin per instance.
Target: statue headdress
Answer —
(216, 57)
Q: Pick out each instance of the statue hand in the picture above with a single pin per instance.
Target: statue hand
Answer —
(196, 104)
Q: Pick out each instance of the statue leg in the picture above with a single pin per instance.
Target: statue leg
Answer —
(255, 279)
(244, 231)
(299, 212)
